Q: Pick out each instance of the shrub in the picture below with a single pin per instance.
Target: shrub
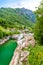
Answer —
(1, 34)
(36, 56)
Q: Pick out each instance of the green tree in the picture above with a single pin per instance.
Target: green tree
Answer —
(3, 22)
(38, 31)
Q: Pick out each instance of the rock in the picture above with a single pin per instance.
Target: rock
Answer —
(24, 54)
(23, 40)
(16, 56)
(20, 42)
(32, 42)
(2, 41)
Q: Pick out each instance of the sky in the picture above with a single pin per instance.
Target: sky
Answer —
(28, 4)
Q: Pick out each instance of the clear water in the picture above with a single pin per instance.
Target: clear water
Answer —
(6, 52)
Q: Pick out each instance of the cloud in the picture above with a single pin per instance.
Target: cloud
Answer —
(29, 4)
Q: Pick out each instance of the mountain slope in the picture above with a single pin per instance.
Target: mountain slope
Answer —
(17, 17)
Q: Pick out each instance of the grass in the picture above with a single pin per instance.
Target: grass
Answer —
(6, 52)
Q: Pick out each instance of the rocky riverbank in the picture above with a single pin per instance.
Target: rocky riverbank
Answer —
(2, 41)
(23, 41)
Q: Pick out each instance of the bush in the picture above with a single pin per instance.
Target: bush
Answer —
(36, 56)
(16, 32)
(1, 34)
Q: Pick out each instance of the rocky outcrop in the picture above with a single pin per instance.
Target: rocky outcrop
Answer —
(2, 41)
(19, 56)
(23, 41)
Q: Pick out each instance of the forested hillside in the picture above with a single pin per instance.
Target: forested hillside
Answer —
(16, 17)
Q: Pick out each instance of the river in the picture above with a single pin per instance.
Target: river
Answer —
(6, 52)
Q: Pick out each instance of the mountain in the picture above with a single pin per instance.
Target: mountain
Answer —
(17, 17)
(28, 13)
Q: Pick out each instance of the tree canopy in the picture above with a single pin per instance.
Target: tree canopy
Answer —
(38, 30)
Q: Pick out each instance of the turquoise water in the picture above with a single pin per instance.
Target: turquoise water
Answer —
(6, 52)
